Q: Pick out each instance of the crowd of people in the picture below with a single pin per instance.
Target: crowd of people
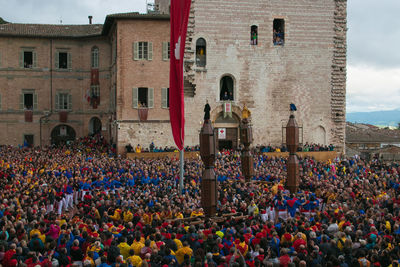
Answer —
(81, 206)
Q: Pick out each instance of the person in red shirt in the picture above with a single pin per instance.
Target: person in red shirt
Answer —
(284, 259)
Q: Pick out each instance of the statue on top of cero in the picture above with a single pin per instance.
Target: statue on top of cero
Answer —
(246, 113)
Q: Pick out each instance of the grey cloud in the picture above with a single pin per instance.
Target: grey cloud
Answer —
(374, 32)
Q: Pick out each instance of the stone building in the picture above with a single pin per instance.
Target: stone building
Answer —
(265, 54)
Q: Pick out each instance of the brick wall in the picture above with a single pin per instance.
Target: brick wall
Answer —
(46, 81)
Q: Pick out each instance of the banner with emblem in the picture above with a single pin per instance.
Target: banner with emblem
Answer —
(222, 133)
(227, 109)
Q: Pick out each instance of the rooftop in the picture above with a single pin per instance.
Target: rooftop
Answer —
(50, 30)
(366, 133)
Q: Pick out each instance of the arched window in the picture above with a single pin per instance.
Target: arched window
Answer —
(201, 52)
(226, 89)
(254, 35)
(95, 57)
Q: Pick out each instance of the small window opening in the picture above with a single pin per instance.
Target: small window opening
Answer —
(201, 52)
(254, 35)
(28, 59)
(142, 97)
(279, 32)
(226, 92)
(63, 60)
(28, 101)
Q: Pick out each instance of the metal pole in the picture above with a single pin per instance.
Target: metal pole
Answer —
(181, 163)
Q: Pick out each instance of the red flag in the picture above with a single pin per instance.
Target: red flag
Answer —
(180, 10)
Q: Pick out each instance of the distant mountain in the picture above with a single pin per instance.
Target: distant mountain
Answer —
(378, 118)
(2, 21)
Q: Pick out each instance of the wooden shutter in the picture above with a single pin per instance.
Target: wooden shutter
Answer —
(34, 59)
(70, 101)
(69, 62)
(21, 101)
(21, 59)
(164, 97)
(0, 102)
(135, 97)
(35, 101)
(57, 60)
(150, 97)
(150, 51)
(165, 50)
(57, 102)
(135, 51)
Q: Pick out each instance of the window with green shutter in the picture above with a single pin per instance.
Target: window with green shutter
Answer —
(142, 51)
(63, 101)
(28, 59)
(135, 93)
(63, 60)
(150, 97)
(166, 51)
(28, 100)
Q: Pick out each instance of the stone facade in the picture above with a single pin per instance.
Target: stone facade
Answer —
(308, 70)
(44, 80)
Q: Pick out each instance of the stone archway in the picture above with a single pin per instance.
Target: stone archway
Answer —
(62, 134)
(94, 126)
(320, 135)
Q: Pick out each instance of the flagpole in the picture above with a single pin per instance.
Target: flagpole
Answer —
(181, 162)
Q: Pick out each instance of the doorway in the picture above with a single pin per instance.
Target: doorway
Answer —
(94, 126)
(62, 135)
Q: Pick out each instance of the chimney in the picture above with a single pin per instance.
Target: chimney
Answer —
(90, 19)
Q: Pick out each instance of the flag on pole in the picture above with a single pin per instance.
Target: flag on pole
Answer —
(87, 95)
(180, 10)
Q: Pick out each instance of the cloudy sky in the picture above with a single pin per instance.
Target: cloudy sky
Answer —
(373, 81)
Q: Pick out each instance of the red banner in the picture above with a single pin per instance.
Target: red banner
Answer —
(94, 80)
(180, 10)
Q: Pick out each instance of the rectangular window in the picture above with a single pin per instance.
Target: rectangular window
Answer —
(254, 35)
(166, 51)
(279, 32)
(27, 59)
(142, 97)
(28, 140)
(28, 101)
(165, 97)
(63, 60)
(63, 101)
(143, 51)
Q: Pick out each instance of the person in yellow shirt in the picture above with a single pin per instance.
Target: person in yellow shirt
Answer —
(128, 216)
(185, 250)
(124, 248)
(38, 233)
(135, 260)
(137, 244)
(138, 149)
(177, 241)
(117, 215)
